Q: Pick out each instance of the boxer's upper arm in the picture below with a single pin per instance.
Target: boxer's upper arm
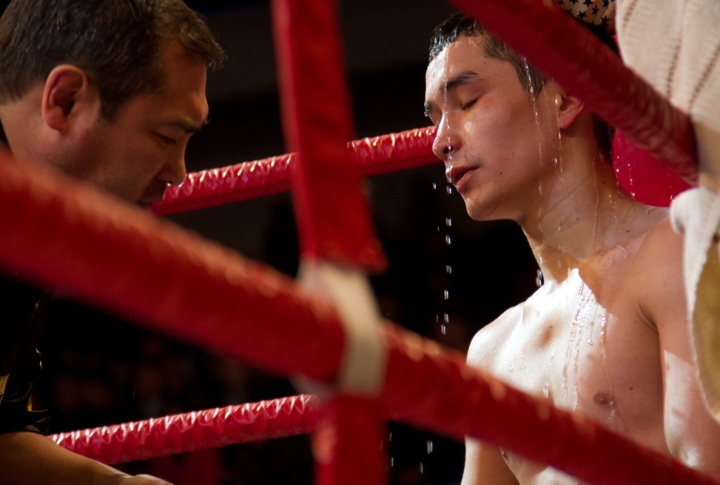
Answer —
(691, 434)
(484, 465)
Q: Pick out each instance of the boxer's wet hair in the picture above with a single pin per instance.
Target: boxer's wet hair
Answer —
(116, 42)
(460, 24)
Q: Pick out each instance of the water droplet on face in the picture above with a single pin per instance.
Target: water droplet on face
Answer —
(448, 240)
(429, 447)
(448, 269)
(539, 278)
(446, 317)
(448, 222)
(558, 160)
(434, 185)
(448, 189)
(535, 108)
(446, 294)
(546, 390)
(443, 329)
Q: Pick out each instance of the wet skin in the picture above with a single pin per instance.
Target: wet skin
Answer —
(606, 336)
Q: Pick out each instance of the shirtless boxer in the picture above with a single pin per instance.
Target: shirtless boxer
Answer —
(109, 92)
(606, 335)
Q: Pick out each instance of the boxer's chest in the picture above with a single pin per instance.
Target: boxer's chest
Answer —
(586, 353)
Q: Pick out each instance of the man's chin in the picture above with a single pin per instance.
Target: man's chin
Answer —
(482, 211)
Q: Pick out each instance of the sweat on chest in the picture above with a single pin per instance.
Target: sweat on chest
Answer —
(581, 357)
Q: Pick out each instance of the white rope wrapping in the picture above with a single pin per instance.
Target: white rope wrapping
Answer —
(362, 370)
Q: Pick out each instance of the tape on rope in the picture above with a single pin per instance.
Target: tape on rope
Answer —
(364, 358)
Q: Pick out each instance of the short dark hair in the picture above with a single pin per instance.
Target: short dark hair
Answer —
(531, 79)
(116, 42)
(460, 24)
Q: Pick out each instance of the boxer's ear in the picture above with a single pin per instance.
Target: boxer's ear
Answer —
(68, 97)
(568, 107)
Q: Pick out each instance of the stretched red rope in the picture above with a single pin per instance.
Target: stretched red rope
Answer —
(570, 54)
(184, 433)
(218, 186)
(62, 234)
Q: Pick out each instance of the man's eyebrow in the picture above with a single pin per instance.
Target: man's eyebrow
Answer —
(188, 126)
(461, 79)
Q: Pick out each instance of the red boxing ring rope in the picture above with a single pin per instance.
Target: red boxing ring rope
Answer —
(333, 214)
(218, 186)
(67, 235)
(184, 433)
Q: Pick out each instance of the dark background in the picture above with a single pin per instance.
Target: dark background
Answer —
(101, 370)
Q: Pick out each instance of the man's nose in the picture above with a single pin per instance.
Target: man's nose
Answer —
(447, 141)
(174, 171)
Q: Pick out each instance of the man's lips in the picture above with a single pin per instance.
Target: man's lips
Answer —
(456, 173)
(147, 202)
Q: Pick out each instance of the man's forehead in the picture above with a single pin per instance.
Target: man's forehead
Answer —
(458, 59)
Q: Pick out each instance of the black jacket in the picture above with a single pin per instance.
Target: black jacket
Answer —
(21, 313)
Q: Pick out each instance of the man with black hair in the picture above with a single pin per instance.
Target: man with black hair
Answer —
(109, 92)
(606, 335)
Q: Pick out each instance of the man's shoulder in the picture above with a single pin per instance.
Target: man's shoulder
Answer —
(489, 340)
(656, 280)
(661, 249)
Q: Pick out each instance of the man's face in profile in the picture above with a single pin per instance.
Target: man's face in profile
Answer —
(494, 141)
(142, 150)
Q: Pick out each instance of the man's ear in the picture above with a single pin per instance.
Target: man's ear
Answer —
(569, 108)
(67, 92)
